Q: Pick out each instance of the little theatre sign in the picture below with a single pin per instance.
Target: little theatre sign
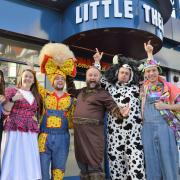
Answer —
(116, 26)
(121, 9)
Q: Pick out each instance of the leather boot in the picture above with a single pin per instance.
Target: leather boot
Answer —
(84, 177)
(97, 176)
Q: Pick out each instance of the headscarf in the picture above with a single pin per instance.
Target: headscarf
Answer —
(57, 59)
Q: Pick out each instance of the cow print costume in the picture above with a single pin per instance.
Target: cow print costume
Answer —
(124, 145)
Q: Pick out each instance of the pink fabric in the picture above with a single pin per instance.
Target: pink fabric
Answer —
(168, 87)
(173, 90)
(20, 117)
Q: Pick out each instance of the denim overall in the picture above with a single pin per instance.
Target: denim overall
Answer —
(57, 144)
(161, 155)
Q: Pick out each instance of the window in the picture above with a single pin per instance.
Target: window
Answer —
(19, 51)
(13, 58)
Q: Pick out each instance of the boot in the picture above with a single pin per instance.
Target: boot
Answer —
(84, 177)
(97, 176)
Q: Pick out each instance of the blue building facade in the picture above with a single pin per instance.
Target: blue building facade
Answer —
(112, 26)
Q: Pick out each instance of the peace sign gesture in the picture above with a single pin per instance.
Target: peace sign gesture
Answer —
(148, 47)
(97, 56)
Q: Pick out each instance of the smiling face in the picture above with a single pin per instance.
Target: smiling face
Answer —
(27, 79)
(93, 76)
(152, 74)
(59, 83)
(124, 75)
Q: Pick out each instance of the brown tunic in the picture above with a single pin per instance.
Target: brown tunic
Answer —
(88, 124)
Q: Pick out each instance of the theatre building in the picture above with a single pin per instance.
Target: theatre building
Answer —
(112, 26)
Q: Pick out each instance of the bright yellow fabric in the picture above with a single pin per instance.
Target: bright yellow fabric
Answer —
(42, 142)
(57, 174)
(53, 122)
(52, 70)
(52, 102)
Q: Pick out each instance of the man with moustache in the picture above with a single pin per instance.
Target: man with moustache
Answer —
(56, 62)
(92, 103)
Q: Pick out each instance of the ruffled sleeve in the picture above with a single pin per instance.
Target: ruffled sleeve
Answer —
(10, 92)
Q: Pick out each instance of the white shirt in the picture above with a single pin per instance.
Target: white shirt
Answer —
(27, 95)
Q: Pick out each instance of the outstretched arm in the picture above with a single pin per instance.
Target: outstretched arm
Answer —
(149, 49)
(97, 58)
(71, 88)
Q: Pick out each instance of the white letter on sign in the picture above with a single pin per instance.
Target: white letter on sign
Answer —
(116, 9)
(78, 14)
(147, 14)
(86, 12)
(154, 16)
(128, 9)
(94, 6)
(106, 4)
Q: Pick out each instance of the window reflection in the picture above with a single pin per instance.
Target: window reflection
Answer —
(19, 51)
(12, 73)
(13, 56)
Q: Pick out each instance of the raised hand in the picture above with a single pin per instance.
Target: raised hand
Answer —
(149, 49)
(97, 56)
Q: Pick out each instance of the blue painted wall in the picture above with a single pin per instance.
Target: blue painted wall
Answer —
(28, 19)
(37, 21)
